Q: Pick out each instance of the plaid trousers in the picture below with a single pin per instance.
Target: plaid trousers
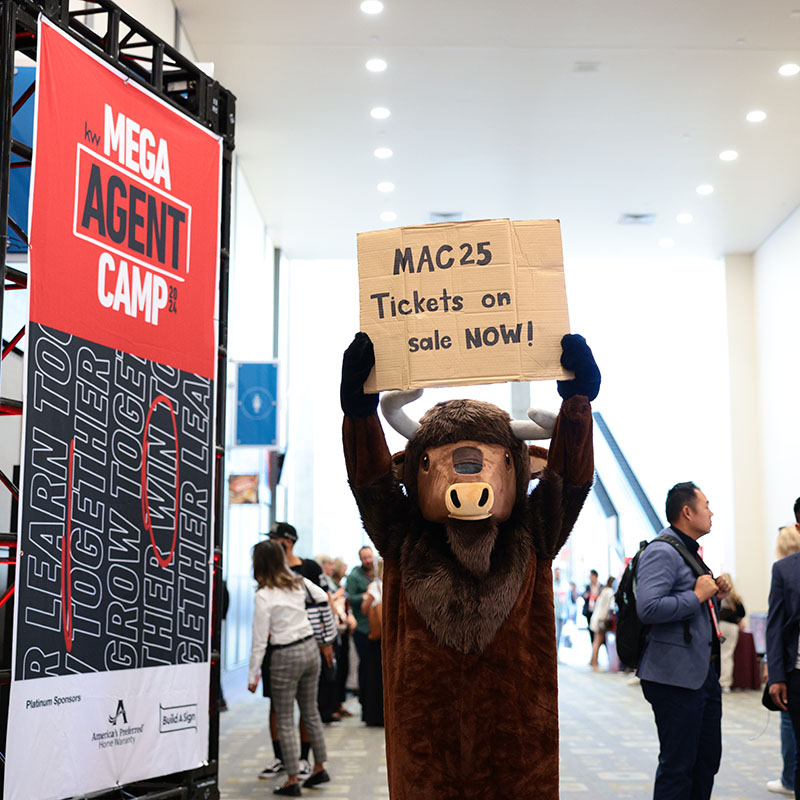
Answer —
(294, 673)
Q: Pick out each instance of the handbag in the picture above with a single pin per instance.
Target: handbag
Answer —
(767, 701)
(321, 618)
(375, 623)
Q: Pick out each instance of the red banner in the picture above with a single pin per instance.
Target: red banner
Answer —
(112, 633)
(125, 219)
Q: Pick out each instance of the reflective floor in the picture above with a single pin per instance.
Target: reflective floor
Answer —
(608, 742)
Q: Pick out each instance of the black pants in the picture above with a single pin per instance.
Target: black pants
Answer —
(689, 735)
(327, 693)
(793, 690)
(361, 641)
(342, 650)
(372, 692)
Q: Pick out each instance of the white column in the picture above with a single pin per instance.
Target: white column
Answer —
(752, 541)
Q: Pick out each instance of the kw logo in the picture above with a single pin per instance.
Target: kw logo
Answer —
(89, 136)
(120, 711)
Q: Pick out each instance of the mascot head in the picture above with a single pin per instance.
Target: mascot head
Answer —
(467, 467)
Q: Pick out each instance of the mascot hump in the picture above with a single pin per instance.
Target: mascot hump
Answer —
(469, 651)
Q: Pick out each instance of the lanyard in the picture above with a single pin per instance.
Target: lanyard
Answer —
(714, 621)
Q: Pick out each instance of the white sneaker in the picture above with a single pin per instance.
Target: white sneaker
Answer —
(304, 768)
(777, 787)
(273, 768)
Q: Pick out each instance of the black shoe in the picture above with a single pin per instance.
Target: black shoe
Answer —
(289, 790)
(317, 778)
(275, 767)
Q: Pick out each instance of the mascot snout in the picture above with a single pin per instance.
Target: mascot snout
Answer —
(469, 501)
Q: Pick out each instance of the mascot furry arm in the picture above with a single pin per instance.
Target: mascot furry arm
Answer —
(470, 678)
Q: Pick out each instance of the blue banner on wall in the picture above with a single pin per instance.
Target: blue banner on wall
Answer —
(257, 404)
(20, 182)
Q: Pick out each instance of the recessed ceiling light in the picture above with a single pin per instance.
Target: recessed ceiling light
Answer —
(728, 155)
(379, 112)
(382, 152)
(788, 70)
(666, 242)
(756, 116)
(385, 186)
(372, 6)
(376, 65)
(704, 188)
(388, 216)
(684, 219)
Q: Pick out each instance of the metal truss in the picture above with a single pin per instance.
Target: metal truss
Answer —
(123, 42)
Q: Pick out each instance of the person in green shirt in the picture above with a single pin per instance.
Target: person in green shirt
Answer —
(356, 586)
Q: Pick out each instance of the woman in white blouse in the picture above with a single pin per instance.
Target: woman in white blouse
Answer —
(280, 618)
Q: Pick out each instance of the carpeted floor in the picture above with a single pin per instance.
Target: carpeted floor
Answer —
(608, 742)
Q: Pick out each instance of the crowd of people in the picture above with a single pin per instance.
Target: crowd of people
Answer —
(692, 622)
(295, 661)
(679, 602)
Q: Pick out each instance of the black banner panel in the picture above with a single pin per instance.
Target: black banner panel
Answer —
(119, 459)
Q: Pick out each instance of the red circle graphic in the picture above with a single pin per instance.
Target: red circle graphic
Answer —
(66, 560)
(162, 561)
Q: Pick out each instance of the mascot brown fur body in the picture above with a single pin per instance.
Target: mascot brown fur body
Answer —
(469, 651)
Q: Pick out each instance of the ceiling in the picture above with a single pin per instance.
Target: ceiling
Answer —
(493, 116)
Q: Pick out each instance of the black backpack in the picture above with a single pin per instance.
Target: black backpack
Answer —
(631, 631)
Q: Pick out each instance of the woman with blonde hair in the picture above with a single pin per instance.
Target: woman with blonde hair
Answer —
(280, 618)
(601, 621)
(731, 620)
(788, 543)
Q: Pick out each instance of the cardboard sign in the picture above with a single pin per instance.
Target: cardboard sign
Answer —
(463, 303)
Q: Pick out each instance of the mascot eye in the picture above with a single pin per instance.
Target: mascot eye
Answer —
(426, 462)
(508, 459)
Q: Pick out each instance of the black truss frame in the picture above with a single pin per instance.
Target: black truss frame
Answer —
(126, 44)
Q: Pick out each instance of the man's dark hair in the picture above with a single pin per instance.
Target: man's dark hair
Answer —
(362, 549)
(797, 510)
(594, 572)
(680, 495)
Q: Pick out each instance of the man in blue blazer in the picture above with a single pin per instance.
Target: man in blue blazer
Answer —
(783, 632)
(679, 667)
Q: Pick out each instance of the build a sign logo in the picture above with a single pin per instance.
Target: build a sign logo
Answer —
(463, 303)
(113, 595)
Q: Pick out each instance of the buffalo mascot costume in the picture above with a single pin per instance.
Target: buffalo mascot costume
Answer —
(469, 650)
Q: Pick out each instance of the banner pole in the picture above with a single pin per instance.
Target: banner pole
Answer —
(6, 111)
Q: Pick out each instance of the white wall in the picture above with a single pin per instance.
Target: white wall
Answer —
(323, 316)
(157, 15)
(659, 333)
(777, 288)
(250, 337)
(658, 330)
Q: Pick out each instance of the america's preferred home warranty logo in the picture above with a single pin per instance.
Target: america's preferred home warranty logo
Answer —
(117, 735)
(177, 718)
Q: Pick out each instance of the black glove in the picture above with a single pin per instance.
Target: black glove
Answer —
(576, 356)
(358, 361)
